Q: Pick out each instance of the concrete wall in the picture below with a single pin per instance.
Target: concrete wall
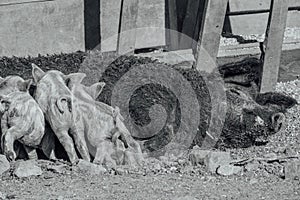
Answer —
(31, 27)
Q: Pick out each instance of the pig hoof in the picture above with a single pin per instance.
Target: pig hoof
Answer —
(11, 156)
(74, 162)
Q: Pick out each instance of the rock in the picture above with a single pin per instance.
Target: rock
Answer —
(2, 196)
(157, 167)
(60, 169)
(60, 198)
(4, 164)
(215, 159)
(292, 170)
(198, 155)
(120, 171)
(90, 168)
(252, 166)
(253, 181)
(228, 170)
(173, 169)
(185, 198)
(270, 155)
(27, 168)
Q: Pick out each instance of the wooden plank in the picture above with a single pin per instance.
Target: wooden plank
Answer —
(184, 57)
(246, 5)
(150, 24)
(109, 21)
(150, 21)
(273, 42)
(173, 34)
(189, 24)
(42, 28)
(127, 36)
(257, 23)
(210, 34)
(243, 5)
(14, 2)
(249, 24)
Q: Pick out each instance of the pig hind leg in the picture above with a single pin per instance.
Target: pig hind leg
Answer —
(103, 154)
(8, 139)
(31, 152)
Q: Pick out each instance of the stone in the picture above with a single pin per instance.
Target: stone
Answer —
(173, 169)
(215, 159)
(253, 181)
(185, 198)
(228, 170)
(4, 164)
(2, 196)
(270, 155)
(292, 170)
(198, 155)
(157, 167)
(27, 168)
(120, 171)
(252, 166)
(59, 169)
(90, 168)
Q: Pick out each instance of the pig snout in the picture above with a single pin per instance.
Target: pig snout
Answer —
(277, 122)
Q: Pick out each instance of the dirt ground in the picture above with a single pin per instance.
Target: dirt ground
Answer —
(169, 186)
(265, 182)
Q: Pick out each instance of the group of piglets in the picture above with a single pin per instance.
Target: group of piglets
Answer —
(86, 128)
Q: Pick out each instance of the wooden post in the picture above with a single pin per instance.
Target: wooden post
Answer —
(210, 34)
(273, 44)
(173, 36)
(189, 24)
(127, 35)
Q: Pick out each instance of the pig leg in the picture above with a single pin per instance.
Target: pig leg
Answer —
(8, 139)
(31, 152)
(67, 143)
(126, 137)
(103, 155)
(4, 128)
(81, 143)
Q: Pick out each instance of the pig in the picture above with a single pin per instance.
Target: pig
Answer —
(13, 83)
(250, 121)
(16, 89)
(22, 120)
(249, 114)
(97, 116)
(93, 125)
(56, 101)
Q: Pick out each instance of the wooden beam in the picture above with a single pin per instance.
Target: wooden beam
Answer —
(189, 24)
(273, 44)
(210, 34)
(173, 36)
(127, 36)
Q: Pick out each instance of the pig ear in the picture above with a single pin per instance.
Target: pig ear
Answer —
(37, 73)
(74, 78)
(24, 85)
(5, 102)
(63, 104)
(96, 89)
(277, 99)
